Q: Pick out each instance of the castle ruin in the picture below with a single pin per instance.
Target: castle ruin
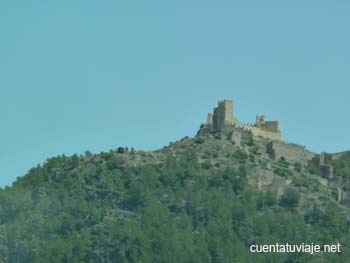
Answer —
(267, 135)
(223, 120)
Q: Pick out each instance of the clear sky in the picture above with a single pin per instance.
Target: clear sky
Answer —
(94, 75)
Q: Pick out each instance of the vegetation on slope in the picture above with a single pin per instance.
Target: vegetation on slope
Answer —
(185, 203)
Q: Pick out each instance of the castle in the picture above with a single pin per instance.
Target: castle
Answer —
(223, 120)
(267, 134)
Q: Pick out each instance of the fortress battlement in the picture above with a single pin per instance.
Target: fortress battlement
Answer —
(222, 119)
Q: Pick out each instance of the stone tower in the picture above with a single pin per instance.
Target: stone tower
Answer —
(223, 114)
(210, 119)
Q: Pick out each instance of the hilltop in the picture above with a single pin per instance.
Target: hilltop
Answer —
(201, 199)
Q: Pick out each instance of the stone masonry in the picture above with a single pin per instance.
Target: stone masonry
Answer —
(223, 120)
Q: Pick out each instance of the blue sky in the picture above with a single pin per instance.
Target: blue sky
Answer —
(95, 75)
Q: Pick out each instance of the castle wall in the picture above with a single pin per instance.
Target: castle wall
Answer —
(223, 117)
(322, 163)
(266, 134)
(290, 152)
(238, 134)
(257, 132)
(271, 126)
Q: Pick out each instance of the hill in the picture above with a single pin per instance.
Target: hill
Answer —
(201, 199)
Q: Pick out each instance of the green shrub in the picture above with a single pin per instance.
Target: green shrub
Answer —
(240, 155)
(298, 167)
(290, 198)
(199, 140)
(206, 165)
(310, 183)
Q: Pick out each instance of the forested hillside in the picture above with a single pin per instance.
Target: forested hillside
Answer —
(196, 200)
